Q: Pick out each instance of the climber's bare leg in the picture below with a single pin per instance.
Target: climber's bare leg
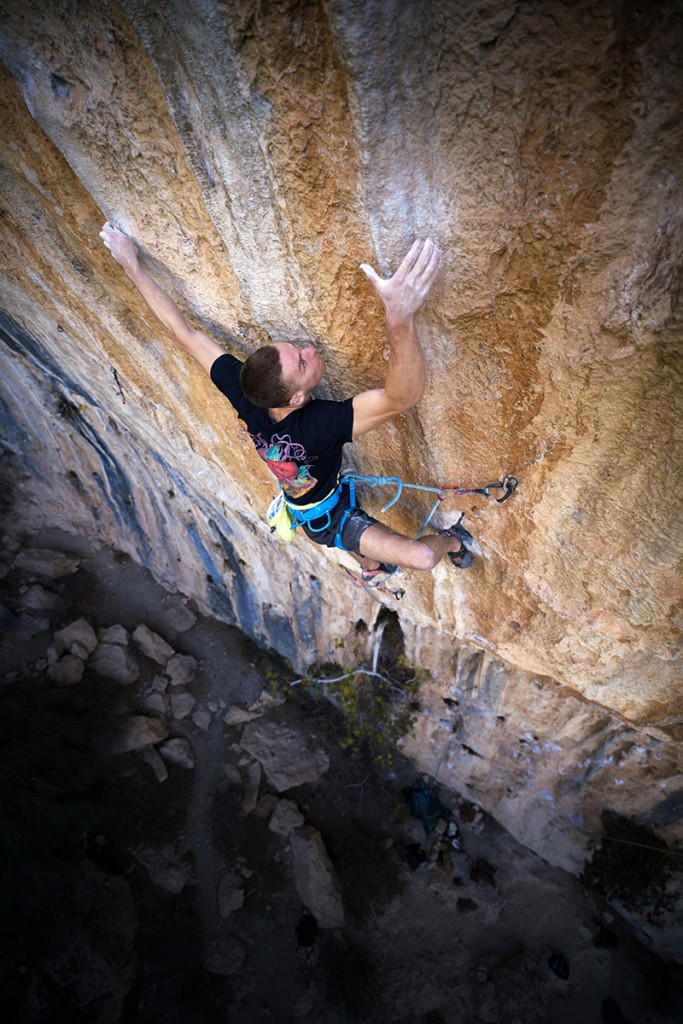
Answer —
(365, 563)
(380, 544)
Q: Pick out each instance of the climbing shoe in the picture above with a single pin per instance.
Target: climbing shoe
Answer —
(461, 559)
(383, 569)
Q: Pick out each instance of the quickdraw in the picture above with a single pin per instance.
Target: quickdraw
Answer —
(508, 485)
(373, 588)
(119, 389)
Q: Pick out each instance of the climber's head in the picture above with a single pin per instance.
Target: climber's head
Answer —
(281, 375)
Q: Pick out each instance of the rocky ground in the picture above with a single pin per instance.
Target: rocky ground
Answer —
(186, 839)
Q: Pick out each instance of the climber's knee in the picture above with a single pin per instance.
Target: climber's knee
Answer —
(379, 542)
(424, 557)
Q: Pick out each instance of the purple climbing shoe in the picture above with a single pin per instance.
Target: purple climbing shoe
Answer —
(383, 569)
(461, 559)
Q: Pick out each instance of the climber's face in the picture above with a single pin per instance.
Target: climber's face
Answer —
(302, 369)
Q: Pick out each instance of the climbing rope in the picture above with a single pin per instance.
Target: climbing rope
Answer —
(508, 485)
(629, 842)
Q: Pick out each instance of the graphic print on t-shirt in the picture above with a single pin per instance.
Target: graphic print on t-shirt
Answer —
(287, 461)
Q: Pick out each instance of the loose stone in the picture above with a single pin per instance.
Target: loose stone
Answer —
(152, 645)
(178, 751)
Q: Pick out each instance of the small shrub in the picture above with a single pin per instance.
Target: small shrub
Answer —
(631, 865)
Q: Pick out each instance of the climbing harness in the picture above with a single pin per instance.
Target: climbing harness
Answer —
(284, 518)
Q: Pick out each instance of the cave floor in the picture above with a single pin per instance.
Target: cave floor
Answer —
(111, 877)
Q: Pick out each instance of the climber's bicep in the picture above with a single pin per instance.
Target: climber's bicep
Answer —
(371, 409)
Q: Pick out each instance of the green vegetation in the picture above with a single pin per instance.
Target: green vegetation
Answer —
(631, 864)
(379, 704)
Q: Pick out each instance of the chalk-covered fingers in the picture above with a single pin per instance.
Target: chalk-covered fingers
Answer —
(425, 253)
(404, 293)
(122, 248)
(423, 272)
(411, 258)
(427, 263)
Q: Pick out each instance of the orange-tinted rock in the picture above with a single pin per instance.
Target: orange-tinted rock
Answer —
(259, 153)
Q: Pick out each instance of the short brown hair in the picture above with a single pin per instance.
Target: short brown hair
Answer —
(261, 379)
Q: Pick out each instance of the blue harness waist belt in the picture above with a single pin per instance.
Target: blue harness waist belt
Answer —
(301, 516)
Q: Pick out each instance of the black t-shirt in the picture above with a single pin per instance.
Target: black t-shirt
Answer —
(304, 450)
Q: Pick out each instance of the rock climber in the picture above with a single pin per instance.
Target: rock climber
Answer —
(301, 438)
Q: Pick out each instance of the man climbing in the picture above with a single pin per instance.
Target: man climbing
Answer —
(301, 438)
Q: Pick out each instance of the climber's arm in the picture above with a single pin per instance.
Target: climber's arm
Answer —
(402, 295)
(200, 346)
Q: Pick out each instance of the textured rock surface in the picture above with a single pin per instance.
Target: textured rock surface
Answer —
(137, 732)
(260, 152)
(284, 754)
(115, 662)
(315, 879)
(79, 634)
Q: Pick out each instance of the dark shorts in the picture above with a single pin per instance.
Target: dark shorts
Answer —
(354, 528)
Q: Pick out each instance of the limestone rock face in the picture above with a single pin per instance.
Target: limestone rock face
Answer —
(259, 153)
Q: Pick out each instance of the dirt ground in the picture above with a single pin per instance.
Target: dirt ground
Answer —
(487, 933)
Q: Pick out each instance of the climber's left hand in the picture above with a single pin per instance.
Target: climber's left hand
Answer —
(405, 292)
(122, 248)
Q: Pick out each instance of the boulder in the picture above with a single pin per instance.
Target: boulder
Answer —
(285, 818)
(232, 774)
(266, 805)
(54, 652)
(177, 751)
(181, 669)
(150, 756)
(267, 700)
(253, 781)
(78, 638)
(182, 704)
(38, 599)
(169, 868)
(178, 616)
(314, 878)
(202, 718)
(137, 732)
(284, 754)
(152, 645)
(114, 662)
(230, 893)
(67, 671)
(31, 626)
(237, 715)
(114, 635)
(157, 703)
(45, 562)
